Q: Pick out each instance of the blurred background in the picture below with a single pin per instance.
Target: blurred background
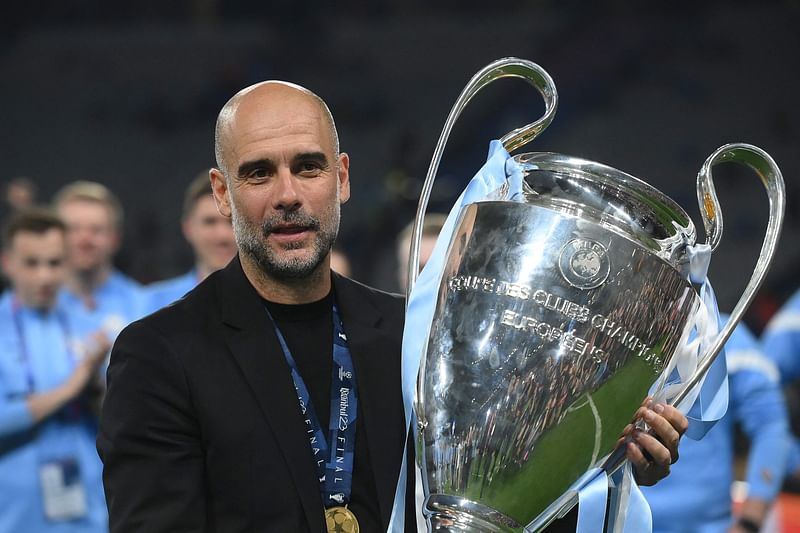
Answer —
(127, 94)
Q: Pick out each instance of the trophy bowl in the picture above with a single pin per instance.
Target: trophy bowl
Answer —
(559, 306)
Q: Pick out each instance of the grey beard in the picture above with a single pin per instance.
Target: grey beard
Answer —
(251, 240)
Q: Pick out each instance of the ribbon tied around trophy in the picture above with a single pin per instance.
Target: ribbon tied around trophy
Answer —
(559, 294)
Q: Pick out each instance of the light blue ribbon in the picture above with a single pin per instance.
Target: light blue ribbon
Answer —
(422, 302)
(592, 499)
(712, 401)
(627, 496)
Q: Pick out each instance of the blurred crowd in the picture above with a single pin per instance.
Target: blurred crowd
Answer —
(64, 302)
(64, 305)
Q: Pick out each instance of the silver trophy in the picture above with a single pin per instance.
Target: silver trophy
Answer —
(554, 317)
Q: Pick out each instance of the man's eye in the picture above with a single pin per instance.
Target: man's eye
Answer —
(257, 174)
(310, 167)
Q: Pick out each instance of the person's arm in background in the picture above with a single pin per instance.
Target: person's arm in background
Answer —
(149, 439)
(760, 409)
(20, 413)
(780, 343)
(781, 340)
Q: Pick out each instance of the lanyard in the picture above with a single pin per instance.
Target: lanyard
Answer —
(16, 311)
(333, 455)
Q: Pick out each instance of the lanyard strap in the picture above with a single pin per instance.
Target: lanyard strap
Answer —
(24, 353)
(333, 454)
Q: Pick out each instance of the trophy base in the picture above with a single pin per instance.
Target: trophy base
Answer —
(451, 514)
(446, 514)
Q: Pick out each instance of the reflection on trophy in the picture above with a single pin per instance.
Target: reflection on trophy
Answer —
(561, 302)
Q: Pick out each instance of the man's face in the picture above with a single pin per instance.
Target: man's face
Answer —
(210, 235)
(92, 238)
(285, 182)
(35, 265)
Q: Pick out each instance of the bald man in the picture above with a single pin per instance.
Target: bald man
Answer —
(267, 399)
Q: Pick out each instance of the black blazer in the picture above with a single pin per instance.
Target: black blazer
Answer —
(201, 430)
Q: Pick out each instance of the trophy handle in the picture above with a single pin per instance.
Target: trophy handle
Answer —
(763, 165)
(509, 67)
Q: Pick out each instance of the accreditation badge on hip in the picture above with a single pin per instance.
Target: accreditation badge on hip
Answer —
(63, 492)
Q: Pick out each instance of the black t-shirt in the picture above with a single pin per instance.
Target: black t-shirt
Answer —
(308, 331)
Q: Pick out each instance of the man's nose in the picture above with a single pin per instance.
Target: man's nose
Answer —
(286, 192)
(81, 232)
(45, 274)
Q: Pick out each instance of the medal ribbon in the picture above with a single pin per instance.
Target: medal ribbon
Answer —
(333, 455)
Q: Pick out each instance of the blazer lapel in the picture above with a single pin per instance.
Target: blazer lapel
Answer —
(378, 376)
(255, 348)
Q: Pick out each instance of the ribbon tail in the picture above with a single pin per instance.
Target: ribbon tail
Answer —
(630, 512)
(592, 500)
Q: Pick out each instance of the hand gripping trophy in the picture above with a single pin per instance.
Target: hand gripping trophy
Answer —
(564, 293)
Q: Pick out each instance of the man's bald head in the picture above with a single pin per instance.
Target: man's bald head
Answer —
(266, 91)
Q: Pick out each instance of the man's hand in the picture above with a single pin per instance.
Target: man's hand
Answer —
(44, 404)
(653, 452)
(87, 367)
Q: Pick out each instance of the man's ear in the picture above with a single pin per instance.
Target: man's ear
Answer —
(344, 177)
(219, 186)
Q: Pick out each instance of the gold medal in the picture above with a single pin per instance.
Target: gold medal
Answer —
(341, 520)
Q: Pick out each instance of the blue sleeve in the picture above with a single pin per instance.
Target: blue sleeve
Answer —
(14, 413)
(163, 293)
(783, 348)
(140, 303)
(759, 407)
(793, 464)
(781, 340)
(133, 297)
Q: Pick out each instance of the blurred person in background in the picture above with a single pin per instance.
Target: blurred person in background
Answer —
(696, 496)
(50, 475)
(781, 339)
(432, 224)
(340, 263)
(208, 233)
(19, 193)
(781, 343)
(103, 297)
